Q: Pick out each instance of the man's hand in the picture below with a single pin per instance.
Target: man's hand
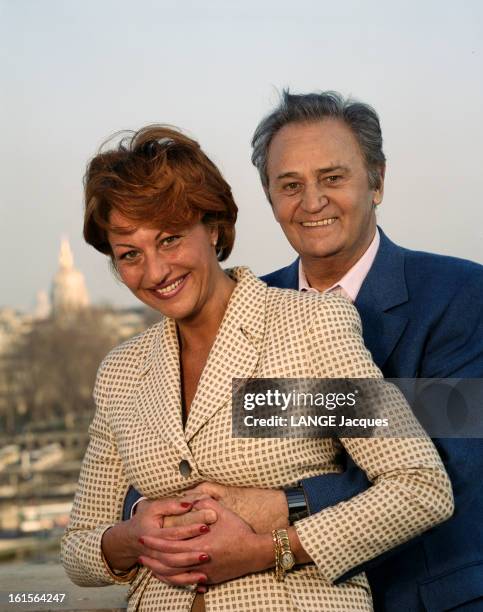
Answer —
(206, 517)
(229, 549)
(262, 509)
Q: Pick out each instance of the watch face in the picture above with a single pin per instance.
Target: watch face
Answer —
(287, 560)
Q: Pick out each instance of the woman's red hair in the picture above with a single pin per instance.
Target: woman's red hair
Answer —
(161, 178)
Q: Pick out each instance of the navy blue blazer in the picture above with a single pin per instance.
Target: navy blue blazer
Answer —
(422, 316)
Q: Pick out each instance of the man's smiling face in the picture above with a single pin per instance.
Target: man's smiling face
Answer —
(320, 192)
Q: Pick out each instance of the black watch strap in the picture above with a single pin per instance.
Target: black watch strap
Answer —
(297, 504)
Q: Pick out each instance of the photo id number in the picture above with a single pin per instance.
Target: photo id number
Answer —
(36, 597)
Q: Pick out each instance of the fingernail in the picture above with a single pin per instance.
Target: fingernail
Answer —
(141, 540)
(202, 580)
(202, 589)
(186, 505)
(203, 557)
(204, 529)
(140, 561)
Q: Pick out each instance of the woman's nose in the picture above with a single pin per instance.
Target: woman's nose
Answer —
(156, 269)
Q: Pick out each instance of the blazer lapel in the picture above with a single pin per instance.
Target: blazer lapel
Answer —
(159, 395)
(383, 289)
(285, 278)
(235, 352)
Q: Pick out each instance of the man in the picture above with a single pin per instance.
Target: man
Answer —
(322, 167)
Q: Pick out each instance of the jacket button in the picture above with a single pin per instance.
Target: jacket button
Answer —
(184, 468)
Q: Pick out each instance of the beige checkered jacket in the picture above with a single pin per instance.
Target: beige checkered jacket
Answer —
(137, 438)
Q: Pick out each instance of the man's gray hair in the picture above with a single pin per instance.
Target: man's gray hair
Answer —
(361, 118)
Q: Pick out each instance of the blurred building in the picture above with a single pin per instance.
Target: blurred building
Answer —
(69, 292)
(68, 295)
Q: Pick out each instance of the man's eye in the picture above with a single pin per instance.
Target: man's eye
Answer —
(332, 179)
(292, 186)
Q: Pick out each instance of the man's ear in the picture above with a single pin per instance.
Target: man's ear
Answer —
(379, 192)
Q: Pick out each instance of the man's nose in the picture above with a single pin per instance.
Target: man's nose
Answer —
(156, 269)
(314, 198)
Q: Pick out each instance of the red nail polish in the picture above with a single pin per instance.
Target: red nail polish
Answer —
(203, 557)
(186, 505)
(140, 561)
(201, 580)
(141, 540)
(204, 529)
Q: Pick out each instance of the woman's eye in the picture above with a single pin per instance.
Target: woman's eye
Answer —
(169, 240)
(128, 256)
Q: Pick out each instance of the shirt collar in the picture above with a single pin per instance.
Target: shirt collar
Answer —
(352, 280)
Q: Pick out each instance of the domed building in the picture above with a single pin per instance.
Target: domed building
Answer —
(42, 307)
(69, 290)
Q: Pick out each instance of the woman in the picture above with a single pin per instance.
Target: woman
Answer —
(163, 213)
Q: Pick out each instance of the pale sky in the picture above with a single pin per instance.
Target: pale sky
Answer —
(74, 72)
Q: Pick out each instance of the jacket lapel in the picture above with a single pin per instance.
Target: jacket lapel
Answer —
(285, 278)
(159, 396)
(383, 289)
(235, 352)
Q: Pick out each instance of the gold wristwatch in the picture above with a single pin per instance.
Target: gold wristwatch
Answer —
(284, 557)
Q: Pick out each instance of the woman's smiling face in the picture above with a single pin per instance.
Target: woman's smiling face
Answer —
(173, 272)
